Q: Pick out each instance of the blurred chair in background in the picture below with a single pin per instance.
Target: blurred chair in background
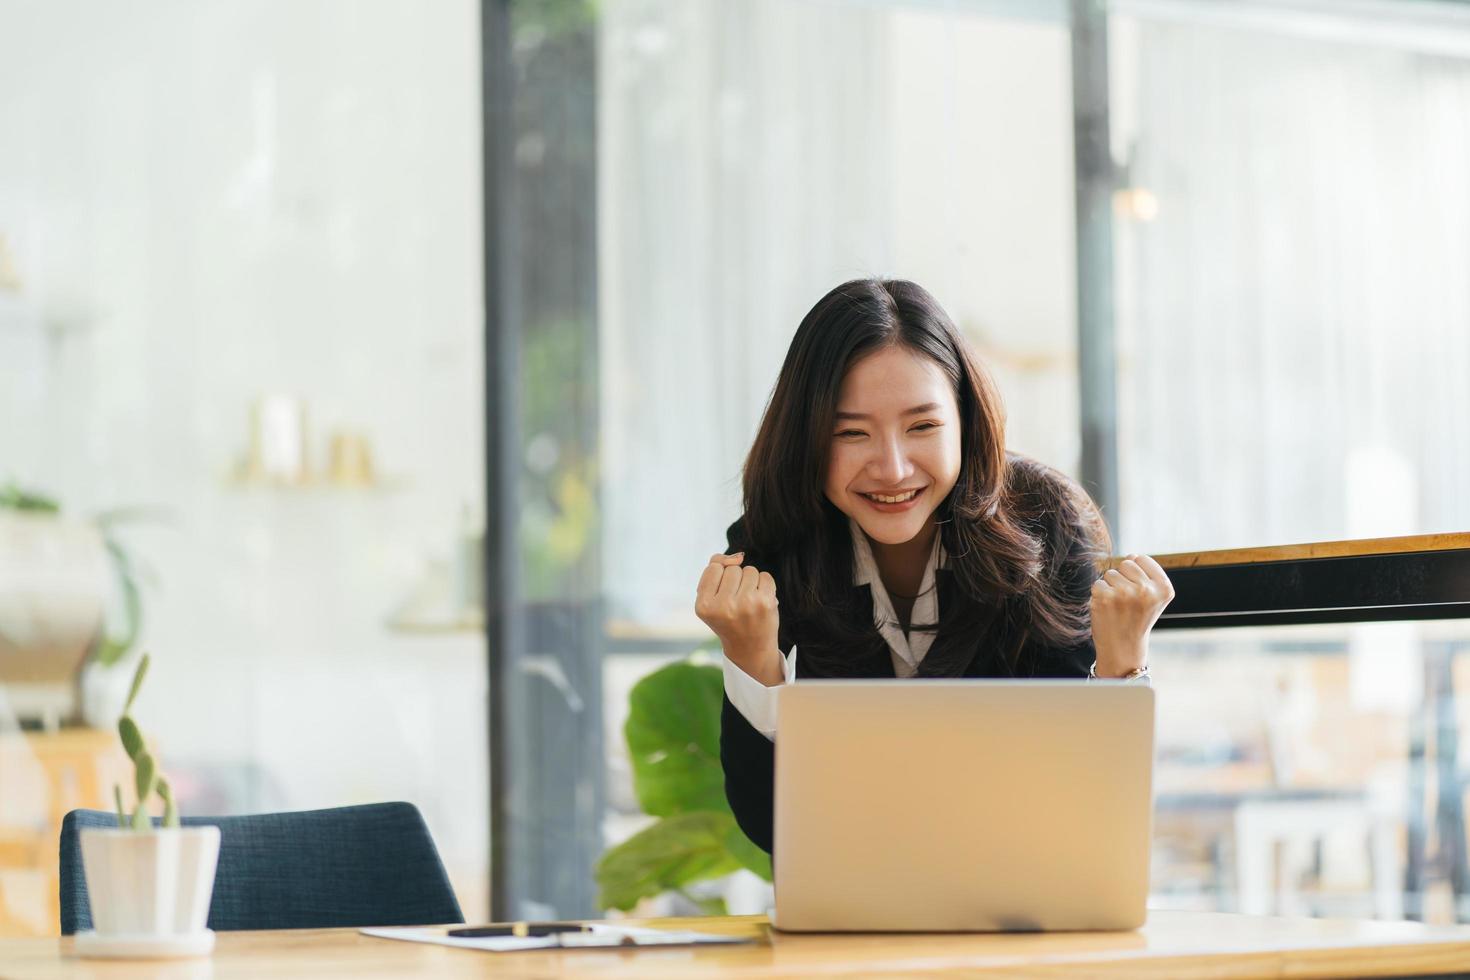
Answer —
(349, 866)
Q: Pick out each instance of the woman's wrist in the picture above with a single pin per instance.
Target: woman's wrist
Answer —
(765, 665)
(1120, 660)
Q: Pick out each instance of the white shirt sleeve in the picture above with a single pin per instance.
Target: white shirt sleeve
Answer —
(752, 698)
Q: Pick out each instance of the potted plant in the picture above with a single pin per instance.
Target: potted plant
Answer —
(149, 885)
(673, 735)
(57, 609)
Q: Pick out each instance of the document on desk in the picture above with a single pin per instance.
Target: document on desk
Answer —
(597, 936)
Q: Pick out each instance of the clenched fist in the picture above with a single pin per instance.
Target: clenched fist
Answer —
(739, 603)
(1126, 602)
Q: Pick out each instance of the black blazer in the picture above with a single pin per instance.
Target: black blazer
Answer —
(749, 758)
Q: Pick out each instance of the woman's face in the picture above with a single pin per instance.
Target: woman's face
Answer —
(895, 444)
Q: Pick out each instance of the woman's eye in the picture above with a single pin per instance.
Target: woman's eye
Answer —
(925, 426)
(850, 433)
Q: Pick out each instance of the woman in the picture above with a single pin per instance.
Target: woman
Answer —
(902, 540)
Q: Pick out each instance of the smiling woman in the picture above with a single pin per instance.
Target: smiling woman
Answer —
(887, 533)
(890, 467)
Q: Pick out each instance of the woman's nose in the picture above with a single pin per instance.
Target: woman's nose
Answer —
(891, 466)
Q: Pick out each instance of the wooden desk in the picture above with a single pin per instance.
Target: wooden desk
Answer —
(1172, 945)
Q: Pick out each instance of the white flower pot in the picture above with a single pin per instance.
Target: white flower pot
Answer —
(151, 885)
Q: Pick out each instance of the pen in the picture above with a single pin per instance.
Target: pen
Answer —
(520, 930)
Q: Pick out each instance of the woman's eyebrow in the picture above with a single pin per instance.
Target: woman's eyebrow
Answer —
(916, 410)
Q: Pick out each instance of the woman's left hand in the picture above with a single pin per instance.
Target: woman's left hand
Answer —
(1126, 602)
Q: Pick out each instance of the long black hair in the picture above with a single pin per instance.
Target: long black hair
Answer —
(1006, 524)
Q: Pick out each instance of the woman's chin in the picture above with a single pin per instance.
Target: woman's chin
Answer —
(898, 529)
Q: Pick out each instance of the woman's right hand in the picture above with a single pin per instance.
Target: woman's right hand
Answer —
(739, 603)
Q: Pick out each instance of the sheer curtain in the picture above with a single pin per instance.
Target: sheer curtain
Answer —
(753, 155)
(1294, 322)
(738, 156)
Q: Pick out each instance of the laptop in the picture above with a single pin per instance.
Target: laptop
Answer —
(969, 806)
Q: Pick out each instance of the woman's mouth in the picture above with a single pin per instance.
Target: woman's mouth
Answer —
(893, 502)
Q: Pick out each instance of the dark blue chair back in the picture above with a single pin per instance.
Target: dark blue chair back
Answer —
(372, 865)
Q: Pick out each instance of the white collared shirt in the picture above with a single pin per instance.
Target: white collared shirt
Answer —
(757, 702)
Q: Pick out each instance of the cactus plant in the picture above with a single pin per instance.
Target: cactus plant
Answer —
(147, 779)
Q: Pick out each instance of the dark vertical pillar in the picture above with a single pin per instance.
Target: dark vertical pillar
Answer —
(504, 627)
(1097, 360)
(543, 618)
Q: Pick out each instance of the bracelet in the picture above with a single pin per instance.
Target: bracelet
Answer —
(1137, 673)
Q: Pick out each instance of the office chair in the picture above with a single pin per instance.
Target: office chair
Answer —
(348, 866)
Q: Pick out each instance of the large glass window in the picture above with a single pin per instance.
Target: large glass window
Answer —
(1289, 321)
(1312, 770)
(240, 341)
(750, 157)
(1286, 322)
(1292, 246)
(251, 419)
(1291, 232)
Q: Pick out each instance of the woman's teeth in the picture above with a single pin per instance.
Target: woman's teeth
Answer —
(885, 499)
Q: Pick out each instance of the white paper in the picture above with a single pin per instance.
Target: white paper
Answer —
(601, 936)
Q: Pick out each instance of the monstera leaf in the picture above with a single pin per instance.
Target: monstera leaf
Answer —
(675, 852)
(673, 735)
(751, 858)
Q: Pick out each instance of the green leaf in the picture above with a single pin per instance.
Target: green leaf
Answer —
(14, 498)
(749, 856)
(132, 738)
(122, 814)
(170, 810)
(138, 676)
(146, 777)
(115, 646)
(138, 513)
(673, 735)
(714, 905)
(675, 852)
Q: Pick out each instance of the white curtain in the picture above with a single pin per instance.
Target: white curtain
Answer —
(751, 156)
(1294, 324)
(736, 160)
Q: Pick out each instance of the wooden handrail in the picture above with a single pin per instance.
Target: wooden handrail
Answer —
(1322, 549)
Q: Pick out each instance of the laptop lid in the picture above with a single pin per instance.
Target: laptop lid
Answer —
(962, 805)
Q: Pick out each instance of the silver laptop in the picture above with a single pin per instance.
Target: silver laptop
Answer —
(926, 806)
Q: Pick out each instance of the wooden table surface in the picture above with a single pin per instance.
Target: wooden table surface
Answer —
(1172, 945)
